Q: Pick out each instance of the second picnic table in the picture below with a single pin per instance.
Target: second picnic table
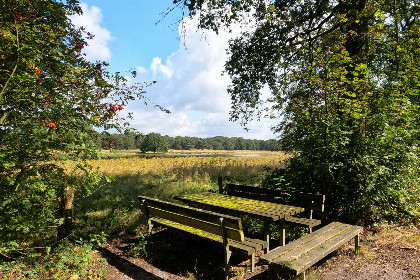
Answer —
(266, 211)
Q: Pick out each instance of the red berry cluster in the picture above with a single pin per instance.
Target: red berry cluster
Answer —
(39, 75)
(52, 124)
(47, 100)
(18, 16)
(116, 108)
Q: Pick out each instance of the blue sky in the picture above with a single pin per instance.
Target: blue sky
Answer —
(132, 34)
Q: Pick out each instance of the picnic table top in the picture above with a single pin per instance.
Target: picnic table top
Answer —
(241, 206)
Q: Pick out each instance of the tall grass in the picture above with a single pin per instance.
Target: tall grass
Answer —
(114, 207)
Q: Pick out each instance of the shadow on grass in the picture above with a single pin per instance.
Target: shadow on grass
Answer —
(179, 255)
(194, 257)
(114, 209)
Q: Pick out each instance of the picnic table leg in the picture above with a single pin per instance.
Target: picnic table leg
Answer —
(220, 183)
(267, 236)
(357, 244)
(227, 251)
(150, 226)
(282, 233)
(252, 262)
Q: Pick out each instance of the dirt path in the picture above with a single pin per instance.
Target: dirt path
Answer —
(386, 253)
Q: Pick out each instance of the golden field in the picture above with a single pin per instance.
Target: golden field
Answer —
(202, 164)
(114, 207)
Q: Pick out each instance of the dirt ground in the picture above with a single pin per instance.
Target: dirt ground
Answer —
(386, 253)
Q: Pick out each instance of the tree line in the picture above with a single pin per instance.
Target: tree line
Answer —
(156, 142)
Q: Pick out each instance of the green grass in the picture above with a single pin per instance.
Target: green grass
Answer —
(113, 210)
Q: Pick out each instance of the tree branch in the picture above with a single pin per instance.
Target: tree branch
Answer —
(3, 90)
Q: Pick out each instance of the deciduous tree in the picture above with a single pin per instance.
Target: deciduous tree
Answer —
(51, 99)
(344, 80)
(154, 142)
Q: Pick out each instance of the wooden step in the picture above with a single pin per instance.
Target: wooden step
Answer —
(297, 256)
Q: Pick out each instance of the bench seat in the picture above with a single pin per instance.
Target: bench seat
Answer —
(297, 256)
(249, 245)
(303, 221)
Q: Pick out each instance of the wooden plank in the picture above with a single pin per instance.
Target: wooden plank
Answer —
(303, 221)
(247, 206)
(257, 243)
(260, 206)
(232, 222)
(255, 196)
(279, 251)
(324, 249)
(256, 193)
(236, 210)
(234, 234)
(317, 198)
(249, 245)
(256, 190)
(298, 251)
(213, 226)
(307, 200)
(192, 230)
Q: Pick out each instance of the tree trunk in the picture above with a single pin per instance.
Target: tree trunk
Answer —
(357, 45)
(65, 204)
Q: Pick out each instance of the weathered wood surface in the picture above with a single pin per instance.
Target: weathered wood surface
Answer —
(292, 197)
(297, 256)
(303, 221)
(313, 203)
(193, 213)
(264, 210)
(241, 206)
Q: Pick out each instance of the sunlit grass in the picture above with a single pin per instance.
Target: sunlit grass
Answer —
(204, 152)
(114, 207)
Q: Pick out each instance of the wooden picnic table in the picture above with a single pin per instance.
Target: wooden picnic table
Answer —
(266, 211)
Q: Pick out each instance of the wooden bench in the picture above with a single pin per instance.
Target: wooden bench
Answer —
(297, 256)
(313, 203)
(214, 226)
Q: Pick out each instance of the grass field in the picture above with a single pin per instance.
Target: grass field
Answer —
(114, 208)
(171, 153)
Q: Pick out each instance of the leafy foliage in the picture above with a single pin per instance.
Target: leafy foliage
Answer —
(67, 261)
(51, 99)
(154, 142)
(344, 78)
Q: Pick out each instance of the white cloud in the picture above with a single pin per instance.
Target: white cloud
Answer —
(191, 78)
(167, 124)
(91, 19)
(158, 68)
(191, 85)
(183, 124)
(141, 70)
